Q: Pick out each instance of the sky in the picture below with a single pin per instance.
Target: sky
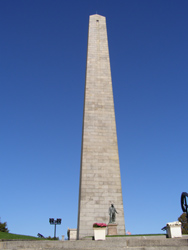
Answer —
(43, 47)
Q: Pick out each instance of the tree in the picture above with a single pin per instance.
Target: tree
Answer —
(184, 223)
(3, 227)
(52, 238)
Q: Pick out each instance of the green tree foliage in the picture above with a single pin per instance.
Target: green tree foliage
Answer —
(3, 227)
(52, 238)
(184, 223)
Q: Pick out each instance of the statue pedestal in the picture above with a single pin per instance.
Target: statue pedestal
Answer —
(112, 229)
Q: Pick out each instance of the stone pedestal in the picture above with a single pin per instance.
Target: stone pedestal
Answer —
(174, 229)
(72, 234)
(112, 229)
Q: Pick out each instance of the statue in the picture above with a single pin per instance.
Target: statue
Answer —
(184, 203)
(112, 213)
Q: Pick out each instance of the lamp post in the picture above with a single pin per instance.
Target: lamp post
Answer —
(55, 222)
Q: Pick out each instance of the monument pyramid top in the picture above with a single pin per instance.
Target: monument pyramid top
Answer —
(97, 16)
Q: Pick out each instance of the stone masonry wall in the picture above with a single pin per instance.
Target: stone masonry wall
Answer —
(100, 181)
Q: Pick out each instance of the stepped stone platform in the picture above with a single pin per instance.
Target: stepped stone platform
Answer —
(117, 243)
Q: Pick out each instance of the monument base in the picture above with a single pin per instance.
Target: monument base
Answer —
(112, 229)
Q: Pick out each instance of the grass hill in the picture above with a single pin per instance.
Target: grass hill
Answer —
(9, 236)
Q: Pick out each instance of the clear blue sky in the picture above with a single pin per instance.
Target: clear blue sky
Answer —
(43, 47)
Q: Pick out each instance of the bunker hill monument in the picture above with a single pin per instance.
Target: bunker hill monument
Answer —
(100, 180)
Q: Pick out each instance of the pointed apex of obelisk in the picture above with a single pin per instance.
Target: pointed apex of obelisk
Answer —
(97, 16)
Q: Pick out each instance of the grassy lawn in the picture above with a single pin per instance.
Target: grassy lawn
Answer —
(8, 236)
(133, 235)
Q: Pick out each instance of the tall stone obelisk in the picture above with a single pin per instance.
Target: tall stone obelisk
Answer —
(100, 181)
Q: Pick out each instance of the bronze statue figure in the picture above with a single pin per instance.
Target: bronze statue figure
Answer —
(184, 203)
(112, 213)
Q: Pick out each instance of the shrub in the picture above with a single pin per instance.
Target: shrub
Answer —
(3, 227)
